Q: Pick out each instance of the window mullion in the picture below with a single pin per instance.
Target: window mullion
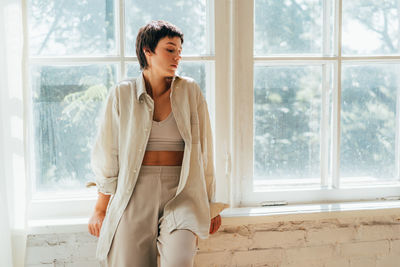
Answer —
(210, 28)
(243, 65)
(121, 38)
(222, 97)
(397, 141)
(337, 97)
(325, 181)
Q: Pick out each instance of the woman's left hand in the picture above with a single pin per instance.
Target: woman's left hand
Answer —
(215, 224)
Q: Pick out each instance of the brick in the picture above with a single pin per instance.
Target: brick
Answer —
(268, 264)
(364, 248)
(261, 256)
(395, 247)
(304, 263)
(309, 253)
(275, 239)
(337, 263)
(363, 262)
(85, 251)
(388, 261)
(213, 259)
(348, 221)
(330, 236)
(268, 226)
(244, 230)
(225, 241)
(49, 254)
(378, 232)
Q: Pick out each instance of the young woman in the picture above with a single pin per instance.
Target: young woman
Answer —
(154, 155)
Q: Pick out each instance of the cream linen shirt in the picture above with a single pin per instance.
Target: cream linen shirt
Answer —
(119, 149)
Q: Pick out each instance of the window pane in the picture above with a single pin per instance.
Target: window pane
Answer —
(371, 27)
(188, 15)
(368, 122)
(287, 115)
(58, 28)
(66, 102)
(194, 70)
(289, 27)
(132, 70)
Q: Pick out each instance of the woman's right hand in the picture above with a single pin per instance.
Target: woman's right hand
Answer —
(95, 222)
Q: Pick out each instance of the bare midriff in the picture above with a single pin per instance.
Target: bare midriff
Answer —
(163, 158)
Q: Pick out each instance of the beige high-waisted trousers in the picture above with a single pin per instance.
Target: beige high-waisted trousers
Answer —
(141, 235)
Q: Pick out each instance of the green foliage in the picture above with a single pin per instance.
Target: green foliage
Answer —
(67, 103)
(287, 99)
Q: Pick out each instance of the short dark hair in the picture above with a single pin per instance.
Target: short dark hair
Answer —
(149, 36)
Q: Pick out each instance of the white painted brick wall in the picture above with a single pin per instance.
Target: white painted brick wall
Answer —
(345, 242)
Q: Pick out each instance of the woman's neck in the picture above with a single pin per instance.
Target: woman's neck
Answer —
(156, 85)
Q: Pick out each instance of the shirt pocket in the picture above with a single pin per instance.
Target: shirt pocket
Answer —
(195, 127)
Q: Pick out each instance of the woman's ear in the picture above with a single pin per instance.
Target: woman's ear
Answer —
(147, 55)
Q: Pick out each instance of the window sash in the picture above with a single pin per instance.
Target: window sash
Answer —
(232, 80)
(242, 130)
(80, 203)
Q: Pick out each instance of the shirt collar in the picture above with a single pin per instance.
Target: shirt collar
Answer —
(141, 87)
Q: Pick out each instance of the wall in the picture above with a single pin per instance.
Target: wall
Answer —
(344, 239)
(363, 242)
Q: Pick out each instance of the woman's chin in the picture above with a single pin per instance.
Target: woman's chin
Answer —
(171, 72)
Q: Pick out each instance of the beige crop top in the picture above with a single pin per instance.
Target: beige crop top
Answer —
(165, 136)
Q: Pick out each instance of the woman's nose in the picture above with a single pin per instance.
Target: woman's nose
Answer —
(178, 57)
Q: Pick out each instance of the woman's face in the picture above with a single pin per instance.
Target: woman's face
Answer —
(166, 58)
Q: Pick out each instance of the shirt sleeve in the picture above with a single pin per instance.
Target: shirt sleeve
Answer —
(206, 142)
(104, 155)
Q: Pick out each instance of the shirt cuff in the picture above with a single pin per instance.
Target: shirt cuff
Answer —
(216, 208)
(106, 186)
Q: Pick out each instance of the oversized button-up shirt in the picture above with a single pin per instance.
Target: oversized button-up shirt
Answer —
(119, 149)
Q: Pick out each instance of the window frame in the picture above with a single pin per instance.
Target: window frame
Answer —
(331, 189)
(80, 203)
(230, 98)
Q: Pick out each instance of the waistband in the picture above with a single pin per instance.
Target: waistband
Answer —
(160, 169)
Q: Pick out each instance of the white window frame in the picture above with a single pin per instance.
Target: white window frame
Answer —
(80, 204)
(230, 98)
(242, 129)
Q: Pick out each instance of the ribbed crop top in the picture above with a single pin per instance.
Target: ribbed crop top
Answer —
(165, 136)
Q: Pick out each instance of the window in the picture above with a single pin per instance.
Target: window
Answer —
(324, 101)
(77, 52)
(304, 93)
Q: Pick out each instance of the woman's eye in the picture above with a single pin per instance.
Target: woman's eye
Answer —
(169, 50)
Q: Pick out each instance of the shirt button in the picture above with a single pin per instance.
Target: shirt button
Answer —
(145, 129)
(134, 170)
(140, 150)
(149, 109)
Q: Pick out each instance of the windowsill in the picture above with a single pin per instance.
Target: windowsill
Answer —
(252, 215)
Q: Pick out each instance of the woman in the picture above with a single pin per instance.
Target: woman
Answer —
(153, 154)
